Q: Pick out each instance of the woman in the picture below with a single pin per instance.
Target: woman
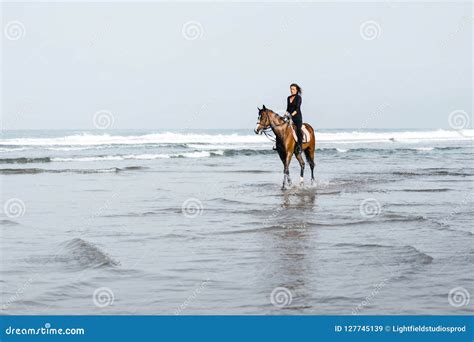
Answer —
(293, 108)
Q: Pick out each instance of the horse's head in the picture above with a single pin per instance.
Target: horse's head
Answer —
(263, 120)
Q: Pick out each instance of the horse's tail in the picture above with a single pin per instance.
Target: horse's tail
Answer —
(311, 133)
(309, 128)
(309, 151)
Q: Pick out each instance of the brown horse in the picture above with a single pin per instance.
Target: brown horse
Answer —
(285, 142)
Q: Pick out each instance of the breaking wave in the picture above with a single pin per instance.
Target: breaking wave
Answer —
(88, 139)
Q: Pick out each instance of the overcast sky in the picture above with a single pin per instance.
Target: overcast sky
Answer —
(209, 65)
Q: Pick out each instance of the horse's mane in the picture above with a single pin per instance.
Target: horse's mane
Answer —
(277, 115)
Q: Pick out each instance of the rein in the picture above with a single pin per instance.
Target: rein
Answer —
(269, 128)
(269, 137)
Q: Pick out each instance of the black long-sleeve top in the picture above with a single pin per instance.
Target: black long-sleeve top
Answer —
(294, 106)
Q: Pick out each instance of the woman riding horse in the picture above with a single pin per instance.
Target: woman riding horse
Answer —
(293, 108)
(285, 142)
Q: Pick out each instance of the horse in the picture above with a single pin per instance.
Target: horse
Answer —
(285, 142)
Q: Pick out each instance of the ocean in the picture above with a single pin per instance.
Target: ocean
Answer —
(194, 222)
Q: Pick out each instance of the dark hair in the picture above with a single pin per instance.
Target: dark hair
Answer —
(298, 88)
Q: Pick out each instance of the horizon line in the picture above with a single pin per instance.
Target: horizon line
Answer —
(217, 129)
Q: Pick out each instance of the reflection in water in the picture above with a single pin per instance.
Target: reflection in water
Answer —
(301, 198)
(286, 249)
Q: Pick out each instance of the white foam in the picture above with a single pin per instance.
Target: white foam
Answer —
(196, 154)
(424, 148)
(234, 146)
(67, 149)
(232, 139)
(398, 137)
(112, 158)
(157, 138)
(17, 149)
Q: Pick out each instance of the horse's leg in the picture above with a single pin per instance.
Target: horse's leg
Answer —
(282, 154)
(299, 157)
(283, 187)
(286, 175)
(289, 155)
(309, 153)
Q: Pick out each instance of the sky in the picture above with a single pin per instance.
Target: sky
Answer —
(210, 65)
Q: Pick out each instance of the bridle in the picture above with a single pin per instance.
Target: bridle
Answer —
(266, 130)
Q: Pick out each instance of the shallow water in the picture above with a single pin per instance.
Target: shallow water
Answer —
(149, 222)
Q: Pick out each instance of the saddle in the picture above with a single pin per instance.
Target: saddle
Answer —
(304, 130)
